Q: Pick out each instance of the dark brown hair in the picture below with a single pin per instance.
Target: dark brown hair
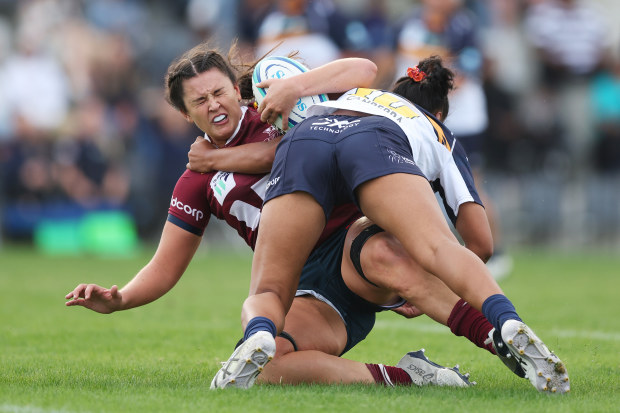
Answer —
(200, 59)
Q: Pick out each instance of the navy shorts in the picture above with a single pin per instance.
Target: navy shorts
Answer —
(330, 156)
(322, 278)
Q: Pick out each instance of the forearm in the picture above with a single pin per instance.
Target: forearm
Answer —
(473, 227)
(336, 77)
(151, 283)
(174, 253)
(251, 158)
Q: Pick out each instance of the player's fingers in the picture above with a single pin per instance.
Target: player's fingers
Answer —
(76, 291)
(114, 291)
(264, 84)
(284, 121)
(265, 115)
(88, 291)
(260, 108)
(274, 113)
(199, 138)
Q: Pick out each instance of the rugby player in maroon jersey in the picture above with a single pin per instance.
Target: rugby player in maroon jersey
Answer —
(331, 314)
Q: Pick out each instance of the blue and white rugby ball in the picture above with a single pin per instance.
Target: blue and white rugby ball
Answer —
(283, 67)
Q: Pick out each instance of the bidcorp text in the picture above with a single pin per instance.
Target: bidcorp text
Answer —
(175, 203)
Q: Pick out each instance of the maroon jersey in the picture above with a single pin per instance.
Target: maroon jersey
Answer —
(235, 197)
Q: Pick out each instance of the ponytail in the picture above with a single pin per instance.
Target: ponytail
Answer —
(427, 85)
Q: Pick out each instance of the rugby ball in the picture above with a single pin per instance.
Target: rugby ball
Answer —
(283, 67)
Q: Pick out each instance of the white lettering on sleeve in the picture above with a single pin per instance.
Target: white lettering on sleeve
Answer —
(187, 209)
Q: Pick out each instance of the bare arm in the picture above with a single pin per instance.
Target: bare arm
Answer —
(334, 77)
(473, 227)
(175, 251)
(251, 158)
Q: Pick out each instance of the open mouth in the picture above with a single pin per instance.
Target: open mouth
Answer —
(220, 118)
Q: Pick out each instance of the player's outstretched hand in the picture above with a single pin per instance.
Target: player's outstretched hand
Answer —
(280, 99)
(96, 298)
(408, 310)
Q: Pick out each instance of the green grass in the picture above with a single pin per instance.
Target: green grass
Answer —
(161, 358)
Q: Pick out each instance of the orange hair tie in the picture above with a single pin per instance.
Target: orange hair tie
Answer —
(416, 74)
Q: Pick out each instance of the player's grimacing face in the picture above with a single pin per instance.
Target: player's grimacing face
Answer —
(212, 103)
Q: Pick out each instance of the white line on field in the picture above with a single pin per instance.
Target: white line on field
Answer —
(425, 327)
(595, 335)
(12, 408)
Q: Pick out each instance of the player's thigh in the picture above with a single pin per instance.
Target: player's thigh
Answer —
(404, 205)
(379, 256)
(386, 263)
(314, 325)
(279, 230)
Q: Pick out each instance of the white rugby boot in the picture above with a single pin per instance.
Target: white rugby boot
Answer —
(542, 368)
(246, 362)
(424, 372)
(504, 354)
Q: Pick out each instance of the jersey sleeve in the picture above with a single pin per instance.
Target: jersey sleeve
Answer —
(456, 184)
(189, 208)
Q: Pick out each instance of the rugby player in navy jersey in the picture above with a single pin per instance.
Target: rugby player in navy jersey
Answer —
(377, 149)
(330, 316)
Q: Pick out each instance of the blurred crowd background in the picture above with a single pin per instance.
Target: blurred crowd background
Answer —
(89, 146)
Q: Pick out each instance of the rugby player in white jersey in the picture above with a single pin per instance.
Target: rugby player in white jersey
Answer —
(377, 149)
(331, 314)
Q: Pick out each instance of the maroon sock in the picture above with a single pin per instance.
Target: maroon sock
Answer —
(466, 321)
(388, 375)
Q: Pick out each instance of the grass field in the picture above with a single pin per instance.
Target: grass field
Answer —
(161, 358)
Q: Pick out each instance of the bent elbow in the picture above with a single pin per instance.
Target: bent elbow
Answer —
(484, 250)
(369, 70)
